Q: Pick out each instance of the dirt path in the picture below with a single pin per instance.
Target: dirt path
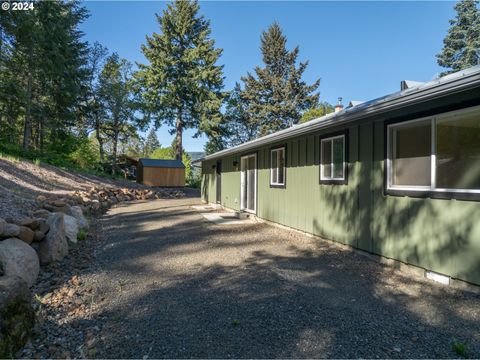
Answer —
(167, 284)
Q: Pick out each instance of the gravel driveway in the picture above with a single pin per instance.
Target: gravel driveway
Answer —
(179, 287)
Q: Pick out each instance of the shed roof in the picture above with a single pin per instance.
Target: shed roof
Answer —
(450, 84)
(162, 163)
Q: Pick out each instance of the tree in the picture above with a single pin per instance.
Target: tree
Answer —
(151, 143)
(462, 44)
(94, 109)
(277, 96)
(236, 126)
(181, 85)
(323, 109)
(117, 97)
(169, 153)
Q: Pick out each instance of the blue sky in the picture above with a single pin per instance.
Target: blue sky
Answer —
(360, 50)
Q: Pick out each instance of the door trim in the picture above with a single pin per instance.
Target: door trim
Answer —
(242, 190)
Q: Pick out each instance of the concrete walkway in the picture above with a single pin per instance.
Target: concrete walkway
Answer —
(178, 286)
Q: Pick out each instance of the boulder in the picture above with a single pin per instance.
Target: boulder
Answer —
(55, 246)
(40, 200)
(95, 204)
(82, 222)
(43, 226)
(19, 259)
(38, 236)
(71, 228)
(41, 213)
(26, 234)
(63, 209)
(11, 230)
(3, 224)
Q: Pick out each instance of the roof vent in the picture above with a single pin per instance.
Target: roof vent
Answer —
(407, 84)
(339, 106)
(354, 103)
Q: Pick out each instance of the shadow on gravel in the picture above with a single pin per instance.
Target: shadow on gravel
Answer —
(264, 296)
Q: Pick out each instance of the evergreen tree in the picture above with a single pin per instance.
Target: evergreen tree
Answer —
(151, 143)
(181, 86)
(462, 44)
(322, 109)
(236, 126)
(277, 96)
(117, 96)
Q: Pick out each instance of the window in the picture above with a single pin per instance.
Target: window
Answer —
(277, 167)
(439, 154)
(332, 155)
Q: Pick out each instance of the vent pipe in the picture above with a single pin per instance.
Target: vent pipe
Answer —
(339, 106)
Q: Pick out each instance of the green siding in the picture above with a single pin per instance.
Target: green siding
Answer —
(440, 235)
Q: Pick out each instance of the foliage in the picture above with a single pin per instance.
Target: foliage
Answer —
(236, 126)
(181, 84)
(277, 96)
(116, 96)
(323, 109)
(462, 44)
(151, 143)
(460, 348)
(82, 235)
(86, 156)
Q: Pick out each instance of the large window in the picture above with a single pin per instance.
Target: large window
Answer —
(277, 167)
(440, 153)
(332, 155)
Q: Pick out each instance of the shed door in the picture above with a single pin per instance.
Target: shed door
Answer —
(219, 182)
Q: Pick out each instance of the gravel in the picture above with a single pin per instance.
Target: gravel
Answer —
(165, 283)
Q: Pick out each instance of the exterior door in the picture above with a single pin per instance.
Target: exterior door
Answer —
(219, 182)
(248, 183)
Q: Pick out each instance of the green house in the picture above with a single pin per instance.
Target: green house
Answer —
(398, 176)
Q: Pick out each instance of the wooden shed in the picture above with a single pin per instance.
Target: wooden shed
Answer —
(161, 172)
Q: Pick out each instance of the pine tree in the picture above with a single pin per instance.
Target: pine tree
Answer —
(462, 44)
(277, 96)
(322, 109)
(236, 126)
(181, 86)
(151, 143)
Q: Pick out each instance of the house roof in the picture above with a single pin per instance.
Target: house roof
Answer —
(162, 163)
(449, 84)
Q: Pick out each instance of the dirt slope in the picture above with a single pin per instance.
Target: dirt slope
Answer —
(22, 181)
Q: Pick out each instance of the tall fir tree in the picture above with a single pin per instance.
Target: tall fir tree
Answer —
(236, 127)
(182, 85)
(277, 96)
(462, 44)
(151, 143)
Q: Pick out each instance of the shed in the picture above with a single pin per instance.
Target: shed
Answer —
(161, 172)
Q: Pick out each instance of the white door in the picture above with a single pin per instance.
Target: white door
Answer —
(248, 183)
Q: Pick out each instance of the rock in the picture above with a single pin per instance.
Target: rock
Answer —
(71, 228)
(43, 226)
(19, 259)
(40, 200)
(3, 224)
(63, 209)
(17, 316)
(30, 223)
(11, 230)
(38, 236)
(41, 213)
(82, 222)
(26, 234)
(95, 204)
(59, 203)
(54, 247)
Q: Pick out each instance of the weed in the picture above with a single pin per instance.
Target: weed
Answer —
(82, 235)
(37, 162)
(460, 348)
(235, 322)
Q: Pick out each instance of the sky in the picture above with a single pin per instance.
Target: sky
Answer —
(360, 50)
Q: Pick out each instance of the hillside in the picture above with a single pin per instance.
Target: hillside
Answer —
(22, 181)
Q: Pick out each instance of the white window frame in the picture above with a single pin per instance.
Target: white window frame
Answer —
(272, 152)
(433, 162)
(331, 178)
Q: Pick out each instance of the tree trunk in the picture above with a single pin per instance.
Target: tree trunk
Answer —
(99, 139)
(114, 152)
(178, 144)
(27, 129)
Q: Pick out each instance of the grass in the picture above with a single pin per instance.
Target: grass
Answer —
(82, 235)
(460, 348)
